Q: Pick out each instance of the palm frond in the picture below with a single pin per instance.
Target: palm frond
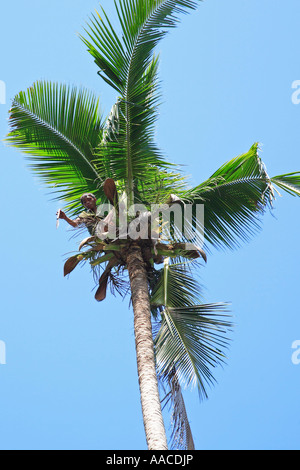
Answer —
(181, 435)
(192, 335)
(58, 127)
(192, 339)
(290, 182)
(143, 23)
(234, 198)
(129, 66)
(175, 286)
(128, 153)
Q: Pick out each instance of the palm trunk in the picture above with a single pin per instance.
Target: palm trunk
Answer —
(151, 407)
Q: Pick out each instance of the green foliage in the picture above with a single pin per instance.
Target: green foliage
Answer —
(128, 65)
(236, 196)
(192, 334)
(58, 127)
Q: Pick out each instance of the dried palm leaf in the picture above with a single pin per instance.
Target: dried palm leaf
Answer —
(86, 241)
(181, 437)
(110, 191)
(101, 291)
(71, 264)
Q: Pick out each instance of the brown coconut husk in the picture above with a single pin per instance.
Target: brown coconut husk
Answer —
(71, 264)
(101, 291)
(110, 191)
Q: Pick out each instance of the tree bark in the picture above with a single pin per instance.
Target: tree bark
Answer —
(150, 400)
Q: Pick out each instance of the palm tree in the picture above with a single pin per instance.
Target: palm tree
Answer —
(179, 338)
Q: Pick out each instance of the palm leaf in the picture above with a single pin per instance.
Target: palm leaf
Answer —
(234, 198)
(181, 436)
(175, 286)
(128, 151)
(129, 66)
(290, 182)
(192, 334)
(192, 340)
(143, 23)
(59, 126)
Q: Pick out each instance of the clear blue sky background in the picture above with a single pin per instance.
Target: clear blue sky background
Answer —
(70, 378)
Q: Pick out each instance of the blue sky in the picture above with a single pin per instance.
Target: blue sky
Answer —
(70, 378)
